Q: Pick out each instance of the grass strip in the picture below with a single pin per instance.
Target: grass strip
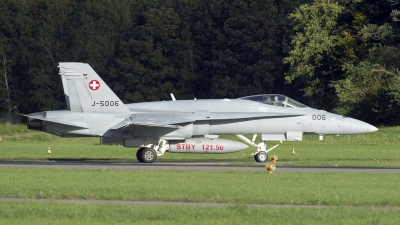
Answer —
(9, 129)
(61, 213)
(231, 187)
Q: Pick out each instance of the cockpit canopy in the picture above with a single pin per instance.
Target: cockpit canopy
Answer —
(275, 100)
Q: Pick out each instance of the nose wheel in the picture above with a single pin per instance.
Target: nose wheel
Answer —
(261, 157)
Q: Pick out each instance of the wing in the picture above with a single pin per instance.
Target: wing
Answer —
(173, 120)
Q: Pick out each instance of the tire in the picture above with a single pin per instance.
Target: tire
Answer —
(148, 155)
(261, 157)
(139, 154)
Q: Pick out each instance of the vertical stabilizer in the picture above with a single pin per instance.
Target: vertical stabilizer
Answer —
(85, 91)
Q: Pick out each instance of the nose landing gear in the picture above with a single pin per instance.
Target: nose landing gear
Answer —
(261, 154)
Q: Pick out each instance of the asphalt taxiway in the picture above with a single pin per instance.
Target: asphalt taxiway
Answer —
(186, 166)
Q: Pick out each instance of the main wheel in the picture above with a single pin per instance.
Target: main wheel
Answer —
(261, 157)
(148, 155)
(139, 155)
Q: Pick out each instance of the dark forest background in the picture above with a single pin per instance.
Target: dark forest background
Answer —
(341, 56)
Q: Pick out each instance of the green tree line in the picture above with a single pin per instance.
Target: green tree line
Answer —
(340, 56)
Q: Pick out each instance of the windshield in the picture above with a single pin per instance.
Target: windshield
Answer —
(275, 100)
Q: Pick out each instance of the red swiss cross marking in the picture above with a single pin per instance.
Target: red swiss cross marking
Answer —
(94, 85)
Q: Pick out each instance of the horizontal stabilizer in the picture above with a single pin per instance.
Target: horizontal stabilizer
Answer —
(79, 125)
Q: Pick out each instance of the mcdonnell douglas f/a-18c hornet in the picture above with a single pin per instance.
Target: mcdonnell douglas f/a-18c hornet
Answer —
(184, 126)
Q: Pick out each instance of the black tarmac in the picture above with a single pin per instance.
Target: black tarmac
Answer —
(187, 166)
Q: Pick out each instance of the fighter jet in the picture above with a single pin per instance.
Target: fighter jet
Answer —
(182, 126)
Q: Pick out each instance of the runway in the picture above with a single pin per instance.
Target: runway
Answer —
(187, 166)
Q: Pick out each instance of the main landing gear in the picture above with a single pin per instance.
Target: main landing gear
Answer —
(146, 155)
(261, 154)
(149, 153)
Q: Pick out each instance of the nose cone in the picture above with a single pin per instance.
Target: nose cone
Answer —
(353, 126)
